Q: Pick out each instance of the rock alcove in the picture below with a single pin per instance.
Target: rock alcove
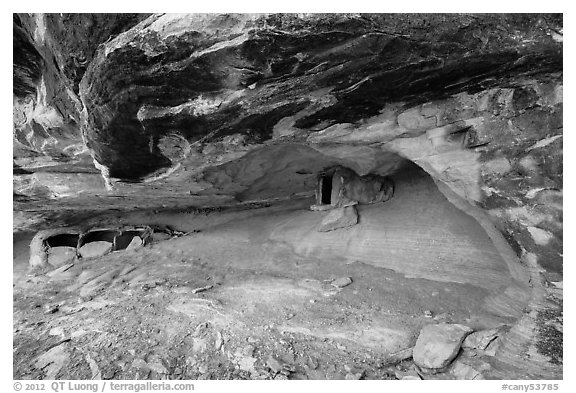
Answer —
(371, 187)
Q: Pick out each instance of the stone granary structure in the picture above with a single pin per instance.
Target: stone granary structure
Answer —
(430, 147)
(341, 187)
(53, 248)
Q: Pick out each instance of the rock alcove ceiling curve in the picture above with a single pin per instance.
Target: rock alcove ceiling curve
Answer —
(219, 126)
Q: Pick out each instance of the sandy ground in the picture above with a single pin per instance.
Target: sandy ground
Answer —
(249, 296)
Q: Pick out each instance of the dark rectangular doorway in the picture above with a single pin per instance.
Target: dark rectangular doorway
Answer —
(326, 189)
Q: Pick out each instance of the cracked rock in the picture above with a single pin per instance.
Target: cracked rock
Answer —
(438, 345)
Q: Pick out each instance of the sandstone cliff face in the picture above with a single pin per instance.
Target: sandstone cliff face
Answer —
(253, 106)
(51, 53)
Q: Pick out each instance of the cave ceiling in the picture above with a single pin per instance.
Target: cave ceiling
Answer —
(142, 91)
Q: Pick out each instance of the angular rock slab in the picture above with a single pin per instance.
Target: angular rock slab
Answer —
(60, 256)
(135, 244)
(438, 345)
(481, 339)
(95, 249)
(343, 217)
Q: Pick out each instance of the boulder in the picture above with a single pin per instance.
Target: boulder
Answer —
(438, 345)
(95, 249)
(339, 218)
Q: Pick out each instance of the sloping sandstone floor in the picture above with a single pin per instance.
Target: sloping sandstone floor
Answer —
(247, 294)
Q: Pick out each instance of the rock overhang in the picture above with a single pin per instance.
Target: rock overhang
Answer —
(250, 107)
(208, 76)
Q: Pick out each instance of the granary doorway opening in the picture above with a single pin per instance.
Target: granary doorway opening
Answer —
(325, 189)
(329, 188)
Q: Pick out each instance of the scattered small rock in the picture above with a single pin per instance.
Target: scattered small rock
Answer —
(201, 328)
(341, 282)
(441, 317)
(353, 377)
(202, 289)
(139, 363)
(274, 365)
(558, 284)
(218, 342)
(313, 363)
(96, 374)
(51, 308)
(155, 364)
(246, 363)
(57, 331)
(248, 350)
(428, 314)
(78, 333)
